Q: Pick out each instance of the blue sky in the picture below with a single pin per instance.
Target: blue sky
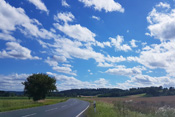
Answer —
(88, 43)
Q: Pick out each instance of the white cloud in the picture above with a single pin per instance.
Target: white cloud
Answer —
(122, 70)
(115, 59)
(108, 6)
(64, 69)
(131, 58)
(103, 82)
(133, 43)
(162, 24)
(15, 18)
(163, 5)
(15, 50)
(70, 49)
(117, 43)
(39, 5)
(65, 16)
(54, 63)
(147, 81)
(12, 82)
(65, 82)
(159, 56)
(6, 37)
(104, 64)
(64, 3)
(77, 32)
(102, 44)
(95, 17)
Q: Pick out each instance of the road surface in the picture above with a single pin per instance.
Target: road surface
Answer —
(70, 108)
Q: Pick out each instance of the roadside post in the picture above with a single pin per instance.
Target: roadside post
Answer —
(94, 106)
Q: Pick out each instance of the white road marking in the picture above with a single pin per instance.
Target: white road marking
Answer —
(63, 106)
(51, 109)
(29, 115)
(83, 111)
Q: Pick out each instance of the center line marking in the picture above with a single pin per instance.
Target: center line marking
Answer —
(51, 109)
(29, 115)
(64, 106)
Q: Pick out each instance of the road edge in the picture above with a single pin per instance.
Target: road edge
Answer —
(83, 111)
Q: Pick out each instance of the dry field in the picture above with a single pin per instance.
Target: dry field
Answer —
(145, 105)
(168, 100)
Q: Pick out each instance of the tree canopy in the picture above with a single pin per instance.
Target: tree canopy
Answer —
(39, 85)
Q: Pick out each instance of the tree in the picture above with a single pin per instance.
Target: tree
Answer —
(39, 85)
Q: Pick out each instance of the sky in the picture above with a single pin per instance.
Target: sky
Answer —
(88, 43)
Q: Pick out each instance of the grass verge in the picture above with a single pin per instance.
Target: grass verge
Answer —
(7, 104)
(109, 110)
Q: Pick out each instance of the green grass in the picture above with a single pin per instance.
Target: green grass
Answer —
(102, 110)
(7, 104)
(109, 110)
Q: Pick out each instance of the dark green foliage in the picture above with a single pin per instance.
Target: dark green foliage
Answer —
(7, 94)
(105, 92)
(38, 86)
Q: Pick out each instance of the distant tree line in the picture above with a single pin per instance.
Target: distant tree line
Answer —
(104, 92)
(10, 93)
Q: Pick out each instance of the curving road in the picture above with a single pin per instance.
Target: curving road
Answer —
(70, 108)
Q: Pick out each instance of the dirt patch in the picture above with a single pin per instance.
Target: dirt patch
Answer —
(41, 100)
(164, 100)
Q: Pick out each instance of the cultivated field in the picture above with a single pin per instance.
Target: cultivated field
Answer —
(135, 106)
(13, 103)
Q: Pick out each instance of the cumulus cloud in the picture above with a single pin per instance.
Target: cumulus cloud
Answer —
(6, 37)
(66, 82)
(95, 17)
(133, 43)
(15, 18)
(147, 81)
(64, 69)
(108, 6)
(102, 44)
(39, 5)
(122, 70)
(162, 23)
(163, 5)
(64, 3)
(159, 56)
(65, 16)
(117, 43)
(71, 49)
(15, 50)
(12, 82)
(105, 64)
(75, 31)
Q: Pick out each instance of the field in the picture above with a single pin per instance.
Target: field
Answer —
(134, 106)
(13, 103)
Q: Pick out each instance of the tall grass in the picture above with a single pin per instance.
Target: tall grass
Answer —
(102, 110)
(7, 104)
(110, 110)
(143, 109)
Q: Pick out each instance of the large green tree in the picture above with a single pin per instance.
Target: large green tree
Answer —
(39, 85)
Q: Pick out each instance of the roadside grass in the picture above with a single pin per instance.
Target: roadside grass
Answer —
(109, 110)
(14, 103)
(102, 110)
(126, 107)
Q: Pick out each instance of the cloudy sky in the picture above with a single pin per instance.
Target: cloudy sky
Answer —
(88, 43)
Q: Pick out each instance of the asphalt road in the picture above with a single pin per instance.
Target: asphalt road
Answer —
(70, 108)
